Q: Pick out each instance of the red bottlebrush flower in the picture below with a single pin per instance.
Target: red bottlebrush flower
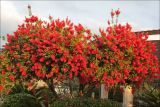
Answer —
(112, 13)
(133, 90)
(3, 80)
(63, 59)
(92, 65)
(68, 21)
(33, 58)
(88, 31)
(1, 88)
(136, 78)
(79, 28)
(50, 17)
(126, 72)
(50, 74)
(70, 75)
(18, 65)
(117, 12)
(122, 89)
(8, 68)
(112, 61)
(106, 61)
(82, 74)
(95, 52)
(104, 76)
(64, 70)
(37, 66)
(3, 72)
(24, 73)
(65, 53)
(108, 22)
(11, 77)
(42, 59)
(32, 19)
(1, 57)
(47, 62)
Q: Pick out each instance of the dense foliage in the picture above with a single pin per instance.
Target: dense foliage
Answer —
(85, 102)
(59, 50)
(20, 100)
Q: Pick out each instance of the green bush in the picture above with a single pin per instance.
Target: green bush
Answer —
(115, 94)
(20, 100)
(19, 88)
(148, 95)
(149, 98)
(85, 102)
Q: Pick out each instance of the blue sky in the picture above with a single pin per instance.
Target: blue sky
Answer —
(142, 15)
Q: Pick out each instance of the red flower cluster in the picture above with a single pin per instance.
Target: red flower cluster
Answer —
(31, 19)
(62, 50)
(58, 49)
(113, 13)
(127, 57)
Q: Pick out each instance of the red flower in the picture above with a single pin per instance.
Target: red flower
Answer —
(42, 59)
(63, 59)
(32, 19)
(64, 70)
(92, 65)
(1, 57)
(112, 13)
(50, 17)
(104, 76)
(126, 72)
(24, 73)
(121, 89)
(117, 12)
(136, 78)
(108, 22)
(3, 72)
(70, 75)
(50, 74)
(53, 57)
(79, 28)
(11, 77)
(1, 88)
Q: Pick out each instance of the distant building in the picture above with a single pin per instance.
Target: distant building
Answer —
(154, 36)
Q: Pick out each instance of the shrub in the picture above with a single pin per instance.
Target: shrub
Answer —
(85, 102)
(149, 96)
(20, 100)
(19, 88)
(115, 94)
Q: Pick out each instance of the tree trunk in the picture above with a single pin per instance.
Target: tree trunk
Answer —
(52, 87)
(81, 89)
(104, 91)
(70, 89)
(127, 97)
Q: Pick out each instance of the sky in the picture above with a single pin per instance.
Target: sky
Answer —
(142, 15)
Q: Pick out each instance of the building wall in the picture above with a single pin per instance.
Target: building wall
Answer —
(155, 39)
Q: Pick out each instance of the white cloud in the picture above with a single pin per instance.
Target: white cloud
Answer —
(10, 18)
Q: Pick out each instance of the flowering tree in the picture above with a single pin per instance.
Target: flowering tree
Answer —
(60, 50)
(51, 50)
(127, 58)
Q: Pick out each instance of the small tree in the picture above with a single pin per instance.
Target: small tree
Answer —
(58, 50)
(127, 58)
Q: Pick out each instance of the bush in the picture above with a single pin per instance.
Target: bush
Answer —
(85, 102)
(115, 94)
(20, 100)
(149, 98)
(19, 88)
